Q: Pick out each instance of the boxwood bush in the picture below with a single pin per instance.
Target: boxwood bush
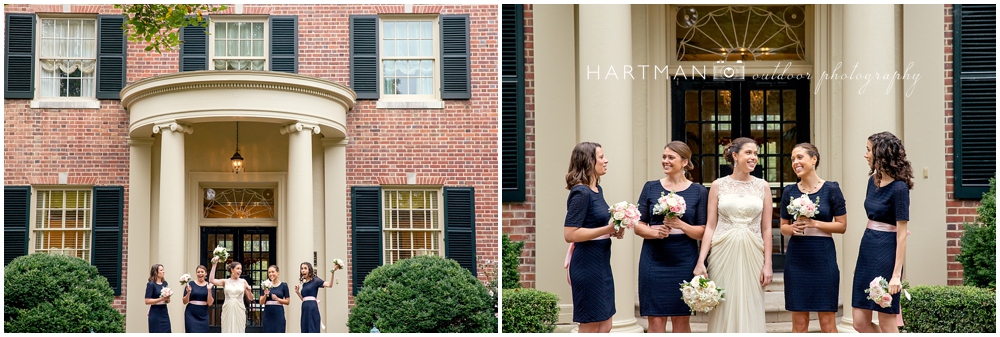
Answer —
(955, 309)
(527, 310)
(423, 294)
(57, 294)
(979, 244)
(510, 262)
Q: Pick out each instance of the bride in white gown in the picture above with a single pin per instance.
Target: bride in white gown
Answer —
(234, 314)
(739, 229)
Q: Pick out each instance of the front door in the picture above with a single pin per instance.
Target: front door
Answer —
(254, 247)
(709, 114)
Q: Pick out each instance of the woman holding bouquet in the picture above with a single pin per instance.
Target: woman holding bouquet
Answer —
(234, 314)
(812, 277)
(738, 231)
(197, 298)
(587, 230)
(310, 284)
(158, 317)
(670, 249)
(883, 246)
(274, 300)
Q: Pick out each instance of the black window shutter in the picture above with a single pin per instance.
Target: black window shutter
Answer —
(109, 203)
(111, 50)
(19, 61)
(975, 84)
(284, 54)
(194, 48)
(455, 61)
(460, 226)
(16, 212)
(366, 232)
(512, 92)
(364, 56)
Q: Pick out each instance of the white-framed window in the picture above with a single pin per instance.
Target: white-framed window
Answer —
(411, 224)
(238, 43)
(67, 57)
(409, 57)
(62, 222)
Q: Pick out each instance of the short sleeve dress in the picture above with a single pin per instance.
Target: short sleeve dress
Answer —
(158, 318)
(666, 263)
(196, 315)
(877, 255)
(274, 312)
(590, 266)
(310, 309)
(812, 277)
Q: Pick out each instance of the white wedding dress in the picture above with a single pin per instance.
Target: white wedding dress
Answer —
(737, 256)
(234, 313)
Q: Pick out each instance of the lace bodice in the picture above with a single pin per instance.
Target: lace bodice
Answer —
(234, 290)
(740, 204)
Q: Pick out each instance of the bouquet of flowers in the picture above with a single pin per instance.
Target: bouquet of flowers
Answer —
(185, 279)
(701, 294)
(166, 292)
(221, 253)
(802, 206)
(878, 291)
(624, 215)
(338, 263)
(267, 284)
(670, 205)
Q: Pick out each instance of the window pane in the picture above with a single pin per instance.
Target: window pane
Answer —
(220, 65)
(257, 65)
(89, 29)
(258, 31)
(401, 48)
(413, 85)
(425, 48)
(413, 68)
(426, 86)
(245, 48)
(426, 68)
(388, 48)
(220, 30)
(244, 30)
(400, 68)
(388, 30)
(425, 30)
(401, 30)
(414, 29)
(258, 48)
(415, 48)
(232, 48)
(232, 30)
(387, 68)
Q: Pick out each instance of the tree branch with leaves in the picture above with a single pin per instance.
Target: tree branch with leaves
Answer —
(157, 25)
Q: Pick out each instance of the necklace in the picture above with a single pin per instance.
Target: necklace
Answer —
(813, 189)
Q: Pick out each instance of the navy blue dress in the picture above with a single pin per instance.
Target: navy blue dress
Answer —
(196, 316)
(274, 314)
(310, 309)
(812, 277)
(666, 263)
(590, 266)
(877, 255)
(159, 319)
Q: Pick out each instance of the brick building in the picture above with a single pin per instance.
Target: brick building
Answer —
(368, 133)
(630, 78)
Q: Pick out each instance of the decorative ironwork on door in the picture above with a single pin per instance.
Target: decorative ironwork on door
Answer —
(255, 249)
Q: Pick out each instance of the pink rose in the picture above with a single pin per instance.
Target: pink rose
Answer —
(873, 284)
(675, 209)
(886, 298)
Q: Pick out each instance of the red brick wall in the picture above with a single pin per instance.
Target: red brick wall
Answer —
(519, 218)
(959, 210)
(458, 143)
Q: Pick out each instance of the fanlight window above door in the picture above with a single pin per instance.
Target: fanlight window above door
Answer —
(238, 203)
(747, 33)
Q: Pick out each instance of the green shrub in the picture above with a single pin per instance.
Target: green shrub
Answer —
(529, 310)
(57, 294)
(979, 243)
(423, 294)
(511, 261)
(956, 309)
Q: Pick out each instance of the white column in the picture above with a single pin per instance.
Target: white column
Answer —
(869, 45)
(172, 211)
(300, 206)
(606, 118)
(137, 262)
(335, 189)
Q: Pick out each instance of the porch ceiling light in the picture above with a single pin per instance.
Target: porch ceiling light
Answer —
(237, 158)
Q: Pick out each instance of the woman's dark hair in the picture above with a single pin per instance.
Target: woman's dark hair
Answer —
(682, 150)
(734, 147)
(202, 267)
(889, 157)
(153, 271)
(232, 265)
(273, 266)
(810, 149)
(312, 272)
(582, 165)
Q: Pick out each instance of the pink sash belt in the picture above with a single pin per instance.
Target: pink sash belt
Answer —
(310, 298)
(569, 255)
(276, 302)
(884, 227)
(313, 298)
(672, 230)
(198, 302)
(815, 232)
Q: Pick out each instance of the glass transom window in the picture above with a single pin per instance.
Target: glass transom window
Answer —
(411, 224)
(238, 203)
(63, 222)
(746, 33)
(239, 45)
(407, 54)
(68, 57)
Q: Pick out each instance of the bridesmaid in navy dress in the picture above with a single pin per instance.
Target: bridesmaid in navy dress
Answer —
(883, 246)
(311, 321)
(588, 232)
(670, 248)
(274, 301)
(812, 277)
(197, 298)
(158, 318)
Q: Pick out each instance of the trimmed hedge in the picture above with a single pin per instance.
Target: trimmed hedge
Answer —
(510, 262)
(57, 294)
(979, 243)
(955, 309)
(527, 310)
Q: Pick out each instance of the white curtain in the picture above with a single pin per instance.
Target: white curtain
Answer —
(68, 45)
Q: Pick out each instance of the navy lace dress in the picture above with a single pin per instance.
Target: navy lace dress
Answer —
(196, 315)
(590, 266)
(666, 263)
(158, 319)
(877, 255)
(274, 313)
(812, 277)
(310, 309)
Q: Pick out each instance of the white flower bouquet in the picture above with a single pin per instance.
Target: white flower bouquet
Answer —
(624, 215)
(802, 206)
(670, 205)
(267, 284)
(166, 292)
(878, 291)
(221, 253)
(185, 279)
(337, 263)
(701, 294)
